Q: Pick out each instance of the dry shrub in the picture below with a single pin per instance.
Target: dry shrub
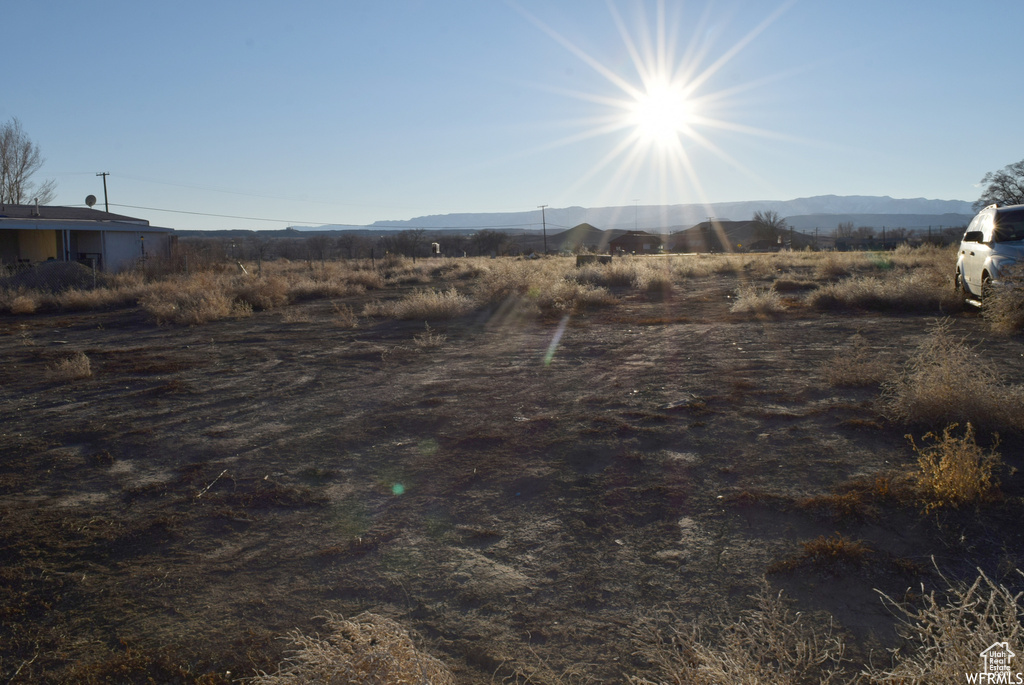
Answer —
(641, 273)
(100, 298)
(566, 296)
(1004, 306)
(507, 280)
(944, 637)
(461, 269)
(766, 644)
(761, 267)
(832, 554)
(792, 285)
(187, 302)
(345, 316)
(269, 292)
(692, 266)
(24, 303)
(856, 365)
(371, 279)
(831, 267)
(945, 382)
(429, 339)
(546, 286)
(368, 649)
(850, 504)
(423, 304)
(753, 300)
(311, 289)
(932, 257)
(898, 290)
(619, 273)
(834, 550)
(954, 470)
(75, 367)
(241, 310)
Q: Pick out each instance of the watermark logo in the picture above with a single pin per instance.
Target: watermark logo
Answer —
(996, 667)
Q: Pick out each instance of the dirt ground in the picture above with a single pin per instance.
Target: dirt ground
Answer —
(519, 492)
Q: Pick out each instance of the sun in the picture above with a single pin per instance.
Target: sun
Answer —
(660, 106)
(661, 114)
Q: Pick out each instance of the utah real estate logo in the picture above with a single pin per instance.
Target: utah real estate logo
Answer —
(995, 667)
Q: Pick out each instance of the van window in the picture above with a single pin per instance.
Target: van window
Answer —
(1009, 226)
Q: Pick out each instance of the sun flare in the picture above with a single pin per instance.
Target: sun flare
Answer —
(666, 109)
(661, 114)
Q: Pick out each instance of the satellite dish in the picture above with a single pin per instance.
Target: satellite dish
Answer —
(90, 200)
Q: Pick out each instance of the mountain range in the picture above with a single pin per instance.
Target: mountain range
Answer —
(822, 212)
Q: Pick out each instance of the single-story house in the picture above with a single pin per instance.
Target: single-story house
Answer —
(639, 242)
(112, 242)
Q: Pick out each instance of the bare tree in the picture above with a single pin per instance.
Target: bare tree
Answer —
(844, 230)
(1005, 187)
(488, 242)
(319, 247)
(352, 245)
(768, 225)
(260, 249)
(20, 159)
(414, 239)
(865, 232)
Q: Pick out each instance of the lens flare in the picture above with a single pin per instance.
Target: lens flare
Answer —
(661, 114)
(666, 105)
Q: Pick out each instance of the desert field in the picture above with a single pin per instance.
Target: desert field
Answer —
(545, 473)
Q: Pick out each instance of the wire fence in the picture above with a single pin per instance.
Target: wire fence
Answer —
(51, 276)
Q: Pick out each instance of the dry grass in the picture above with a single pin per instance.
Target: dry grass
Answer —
(830, 554)
(269, 292)
(766, 644)
(944, 637)
(832, 267)
(24, 303)
(640, 273)
(954, 471)
(427, 305)
(754, 300)
(899, 290)
(1004, 308)
(98, 298)
(368, 649)
(73, 368)
(527, 287)
(345, 316)
(906, 279)
(567, 296)
(187, 303)
(429, 339)
(856, 365)
(945, 382)
(621, 273)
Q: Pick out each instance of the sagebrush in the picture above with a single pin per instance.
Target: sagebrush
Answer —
(368, 649)
(954, 470)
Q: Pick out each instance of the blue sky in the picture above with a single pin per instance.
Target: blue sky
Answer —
(352, 111)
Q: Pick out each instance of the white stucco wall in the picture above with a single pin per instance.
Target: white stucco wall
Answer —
(124, 249)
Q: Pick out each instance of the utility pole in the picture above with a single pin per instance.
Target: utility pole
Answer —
(106, 203)
(635, 210)
(544, 223)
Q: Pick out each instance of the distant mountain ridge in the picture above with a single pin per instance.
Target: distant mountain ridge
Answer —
(822, 208)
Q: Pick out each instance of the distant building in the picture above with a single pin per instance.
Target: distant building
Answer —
(112, 242)
(635, 241)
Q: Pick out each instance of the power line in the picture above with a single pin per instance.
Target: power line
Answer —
(331, 223)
